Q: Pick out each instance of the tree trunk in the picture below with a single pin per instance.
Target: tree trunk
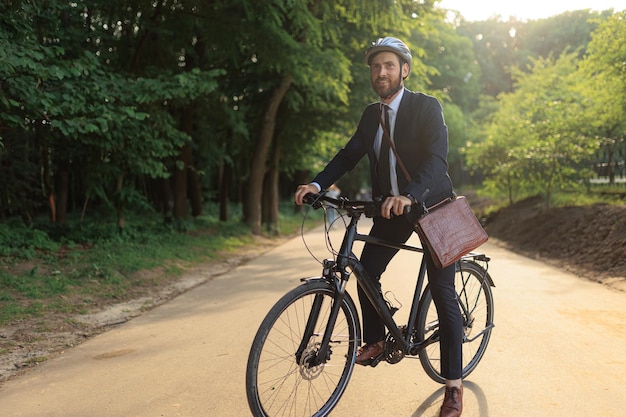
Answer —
(47, 178)
(119, 205)
(610, 164)
(163, 197)
(62, 181)
(180, 183)
(190, 179)
(62, 192)
(225, 178)
(266, 201)
(195, 190)
(257, 172)
(624, 156)
(273, 193)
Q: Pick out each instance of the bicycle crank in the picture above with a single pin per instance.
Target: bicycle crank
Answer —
(392, 351)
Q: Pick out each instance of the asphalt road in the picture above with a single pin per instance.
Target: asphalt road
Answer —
(558, 349)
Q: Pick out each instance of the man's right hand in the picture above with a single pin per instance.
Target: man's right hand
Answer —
(303, 190)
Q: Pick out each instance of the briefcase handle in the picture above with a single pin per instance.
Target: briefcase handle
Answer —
(436, 205)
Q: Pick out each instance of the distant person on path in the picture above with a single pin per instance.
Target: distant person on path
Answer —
(334, 192)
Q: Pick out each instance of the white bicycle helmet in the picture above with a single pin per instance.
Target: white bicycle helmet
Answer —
(392, 45)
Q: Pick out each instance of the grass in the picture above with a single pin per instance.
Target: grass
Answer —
(75, 268)
(597, 194)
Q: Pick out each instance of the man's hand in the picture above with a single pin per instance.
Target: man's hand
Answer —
(303, 190)
(395, 204)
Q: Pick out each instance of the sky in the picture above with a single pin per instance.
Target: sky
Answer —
(525, 9)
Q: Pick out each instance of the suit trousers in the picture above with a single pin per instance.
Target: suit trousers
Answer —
(375, 259)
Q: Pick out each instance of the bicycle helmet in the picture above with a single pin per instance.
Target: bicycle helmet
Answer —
(392, 45)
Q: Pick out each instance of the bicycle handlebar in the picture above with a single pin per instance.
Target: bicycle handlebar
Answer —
(370, 208)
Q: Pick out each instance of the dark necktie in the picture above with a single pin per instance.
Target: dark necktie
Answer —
(382, 171)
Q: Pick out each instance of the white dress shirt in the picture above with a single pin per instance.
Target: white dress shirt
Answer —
(393, 111)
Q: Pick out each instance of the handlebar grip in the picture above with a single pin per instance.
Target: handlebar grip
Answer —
(406, 210)
(313, 200)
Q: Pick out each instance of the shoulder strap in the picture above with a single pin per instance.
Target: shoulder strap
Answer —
(395, 152)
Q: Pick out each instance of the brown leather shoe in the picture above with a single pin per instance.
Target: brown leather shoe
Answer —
(452, 402)
(369, 352)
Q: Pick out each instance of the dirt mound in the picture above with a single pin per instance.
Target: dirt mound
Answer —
(589, 241)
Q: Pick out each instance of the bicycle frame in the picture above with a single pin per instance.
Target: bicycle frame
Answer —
(346, 260)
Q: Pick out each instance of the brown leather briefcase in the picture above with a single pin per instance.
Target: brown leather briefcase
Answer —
(450, 230)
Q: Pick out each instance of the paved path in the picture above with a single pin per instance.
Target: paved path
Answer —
(558, 349)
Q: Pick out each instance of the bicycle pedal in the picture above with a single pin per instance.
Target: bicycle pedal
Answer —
(375, 361)
(372, 361)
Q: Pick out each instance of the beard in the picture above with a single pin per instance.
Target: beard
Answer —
(384, 91)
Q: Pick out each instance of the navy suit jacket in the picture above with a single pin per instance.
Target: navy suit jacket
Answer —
(421, 138)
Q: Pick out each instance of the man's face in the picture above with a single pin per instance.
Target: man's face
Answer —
(387, 74)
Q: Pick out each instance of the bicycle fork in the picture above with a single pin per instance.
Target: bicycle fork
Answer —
(330, 269)
(323, 351)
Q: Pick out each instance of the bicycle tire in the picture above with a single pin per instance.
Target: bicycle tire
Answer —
(476, 305)
(277, 384)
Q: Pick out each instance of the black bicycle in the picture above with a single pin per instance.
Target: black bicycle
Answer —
(304, 352)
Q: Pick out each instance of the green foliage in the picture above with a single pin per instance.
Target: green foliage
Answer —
(585, 196)
(83, 265)
(99, 99)
(19, 241)
(603, 83)
(536, 142)
(500, 45)
(454, 70)
(90, 113)
(562, 33)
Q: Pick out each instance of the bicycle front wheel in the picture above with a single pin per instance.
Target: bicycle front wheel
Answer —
(473, 287)
(281, 377)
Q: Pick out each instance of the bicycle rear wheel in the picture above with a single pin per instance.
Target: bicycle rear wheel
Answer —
(280, 381)
(473, 287)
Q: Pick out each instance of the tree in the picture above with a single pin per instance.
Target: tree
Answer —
(82, 120)
(309, 53)
(603, 82)
(141, 105)
(454, 77)
(500, 45)
(567, 32)
(536, 142)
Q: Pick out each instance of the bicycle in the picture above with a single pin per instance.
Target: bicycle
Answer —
(304, 351)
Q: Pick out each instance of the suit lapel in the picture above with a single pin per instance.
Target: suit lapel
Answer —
(402, 118)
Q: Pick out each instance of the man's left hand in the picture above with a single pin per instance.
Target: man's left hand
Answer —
(395, 205)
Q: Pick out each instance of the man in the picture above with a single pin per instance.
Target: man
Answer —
(417, 128)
